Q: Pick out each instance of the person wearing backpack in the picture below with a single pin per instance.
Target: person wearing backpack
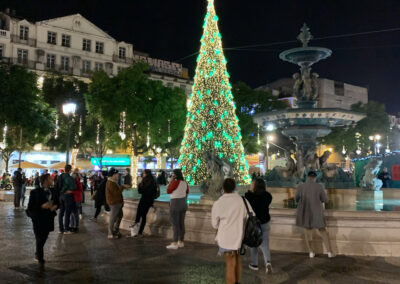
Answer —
(228, 216)
(310, 212)
(260, 199)
(148, 189)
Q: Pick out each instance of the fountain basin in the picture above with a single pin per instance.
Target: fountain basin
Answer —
(329, 117)
(305, 56)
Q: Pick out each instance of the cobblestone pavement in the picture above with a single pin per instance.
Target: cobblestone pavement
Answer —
(89, 257)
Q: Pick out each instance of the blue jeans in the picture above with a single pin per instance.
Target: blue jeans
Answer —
(75, 216)
(264, 247)
(67, 205)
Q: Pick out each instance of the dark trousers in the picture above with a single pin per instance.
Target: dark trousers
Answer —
(141, 213)
(67, 205)
(17, 196)
(177, 215)
(41, 238)
(98, 210)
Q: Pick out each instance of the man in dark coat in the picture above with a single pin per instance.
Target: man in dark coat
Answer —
(17, 182)
(41, 208)
(310, 211)
(128, 177)
(100, 196)
(385, 177)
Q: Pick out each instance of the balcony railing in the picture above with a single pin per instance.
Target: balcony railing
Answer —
(126, 60)
(86, 72)
(29, 41)
(4, 34)
(24, 62)
(59, 68)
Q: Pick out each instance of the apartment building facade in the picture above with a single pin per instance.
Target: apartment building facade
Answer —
(74, 46)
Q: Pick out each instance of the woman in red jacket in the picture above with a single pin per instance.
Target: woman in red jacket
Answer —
(74, 223)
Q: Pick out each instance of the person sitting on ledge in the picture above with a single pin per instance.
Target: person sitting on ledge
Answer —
(310, 197)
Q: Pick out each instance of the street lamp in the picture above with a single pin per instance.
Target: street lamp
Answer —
(68, 110)
(376, 139)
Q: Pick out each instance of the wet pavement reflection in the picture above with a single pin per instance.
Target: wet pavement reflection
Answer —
(89, 257)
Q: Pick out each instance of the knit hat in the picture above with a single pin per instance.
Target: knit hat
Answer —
(112, 172)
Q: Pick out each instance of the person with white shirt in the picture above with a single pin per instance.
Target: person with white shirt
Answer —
(179, 190)
(228, 216)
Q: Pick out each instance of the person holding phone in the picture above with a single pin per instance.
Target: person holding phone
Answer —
(179, 190)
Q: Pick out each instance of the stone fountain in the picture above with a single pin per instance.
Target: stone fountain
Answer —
(306, 123)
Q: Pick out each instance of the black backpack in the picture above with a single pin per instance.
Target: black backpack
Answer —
(252, 232)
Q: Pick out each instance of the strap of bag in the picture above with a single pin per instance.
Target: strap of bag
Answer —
(245, 204)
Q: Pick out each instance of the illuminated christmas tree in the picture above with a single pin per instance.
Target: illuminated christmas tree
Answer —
(211, 123)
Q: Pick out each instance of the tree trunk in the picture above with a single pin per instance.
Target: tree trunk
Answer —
(20, 147)
(74, 154)
(134, 156)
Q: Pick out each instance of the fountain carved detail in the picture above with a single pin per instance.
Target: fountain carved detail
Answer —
(306, 123)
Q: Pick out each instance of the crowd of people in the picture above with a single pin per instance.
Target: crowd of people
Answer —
(230, 213)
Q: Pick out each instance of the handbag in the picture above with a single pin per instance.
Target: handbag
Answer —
(94, 195)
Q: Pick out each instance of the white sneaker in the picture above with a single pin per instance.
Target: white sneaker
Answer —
(110, 236)
(312, 255)
(268, 268)
(181, 245)
(253, 267)
(331, 255)
(173, 246)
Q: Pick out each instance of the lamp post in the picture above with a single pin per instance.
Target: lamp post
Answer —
(269, 138)
(68, 110)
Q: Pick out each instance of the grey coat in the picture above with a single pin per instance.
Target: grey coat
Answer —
(310, 211)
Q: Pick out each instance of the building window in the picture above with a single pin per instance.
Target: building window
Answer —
(122, 52)
(86, 44)
(339, 88)
(51, 37)
(119, 68)
(23, 32)
(98, 66)
(99, 47)
(66, 40)
(85, 66)
(22, 56)
(1, 51)
(170, 85)
(51, 61)
(65, 63)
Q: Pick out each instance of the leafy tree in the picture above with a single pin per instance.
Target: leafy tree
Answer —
(375, 122)
(147, 104)
(57, 90)
(28, 118)
(248, 103)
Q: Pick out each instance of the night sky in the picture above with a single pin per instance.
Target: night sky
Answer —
(171, 30)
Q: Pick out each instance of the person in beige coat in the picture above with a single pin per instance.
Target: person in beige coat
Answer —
(310, 211)
(228, 216)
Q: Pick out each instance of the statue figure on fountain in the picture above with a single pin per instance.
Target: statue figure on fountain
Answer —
(370, 181)
(218, 169)
(305, 87)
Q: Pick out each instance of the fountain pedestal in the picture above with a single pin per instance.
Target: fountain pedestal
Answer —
(369, 200)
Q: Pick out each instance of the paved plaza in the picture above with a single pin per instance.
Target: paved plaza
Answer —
(89, 257)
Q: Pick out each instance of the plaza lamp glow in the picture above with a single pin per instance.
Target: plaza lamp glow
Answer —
(69, 110)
